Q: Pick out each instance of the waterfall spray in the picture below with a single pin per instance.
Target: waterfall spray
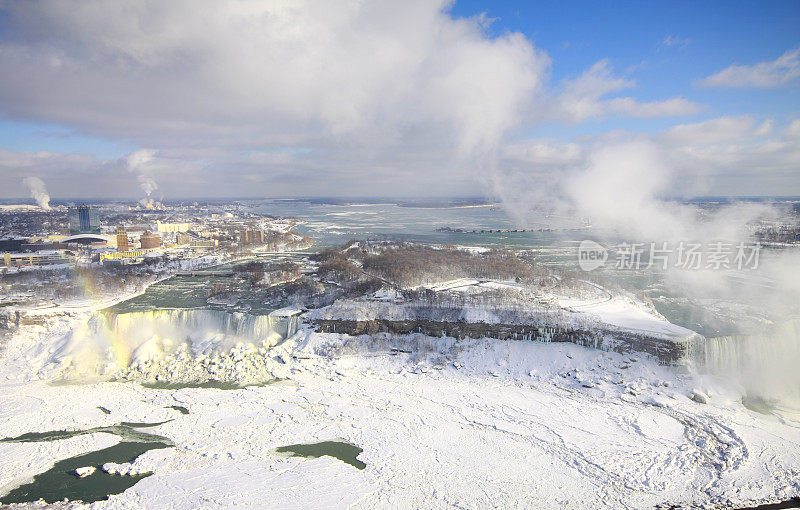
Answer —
(765, 365)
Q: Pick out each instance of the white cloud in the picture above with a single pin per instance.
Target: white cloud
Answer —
(765, 129)
(794, 129)
(147, 164)
(583, 98)
(399, 89)
(85, 176)
(719, 130)
(255, 74)
(290, 97)
(71, 174)
(673, 107)
(303, 97)
(743, 163)
(771, 74)
(621, 181)
(671, 40)
(727, 155)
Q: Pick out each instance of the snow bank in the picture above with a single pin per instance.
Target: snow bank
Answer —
(476, 423)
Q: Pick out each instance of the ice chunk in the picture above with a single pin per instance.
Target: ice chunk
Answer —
(699, 397)
(85, 471)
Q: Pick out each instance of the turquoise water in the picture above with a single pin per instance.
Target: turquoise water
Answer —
(331, 225)
(192, 292)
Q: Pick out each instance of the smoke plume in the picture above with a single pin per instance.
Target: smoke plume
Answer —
(143, 163)
(38, 191)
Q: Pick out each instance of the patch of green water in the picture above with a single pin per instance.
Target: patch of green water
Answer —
(61, 481)
(211, 383)
(342, 450)
(125, 430)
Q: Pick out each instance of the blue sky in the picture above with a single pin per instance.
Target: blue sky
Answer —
(41, 136)
(192, 90)
(709, 36)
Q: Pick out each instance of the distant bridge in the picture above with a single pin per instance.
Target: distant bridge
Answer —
(205, 273)
(286, 253)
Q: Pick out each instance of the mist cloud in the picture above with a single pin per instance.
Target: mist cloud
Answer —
(715, 156)
(38, 191)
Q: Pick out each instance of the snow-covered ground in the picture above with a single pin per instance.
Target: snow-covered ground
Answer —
(471, 424)
(17, 208)
(626, 313)
(617, 310)
(614, 312)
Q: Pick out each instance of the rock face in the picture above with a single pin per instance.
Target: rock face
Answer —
(667, 350)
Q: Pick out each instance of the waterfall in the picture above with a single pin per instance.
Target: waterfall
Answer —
(253, 328)
(292, 325)
(764, 364)
(136, 336)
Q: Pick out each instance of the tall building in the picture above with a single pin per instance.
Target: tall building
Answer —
(83, 220)
(150, 240)
(195, 241)
(251, 236)
(42, 258)
(122, 240)
(246, 236)
(172, 227)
